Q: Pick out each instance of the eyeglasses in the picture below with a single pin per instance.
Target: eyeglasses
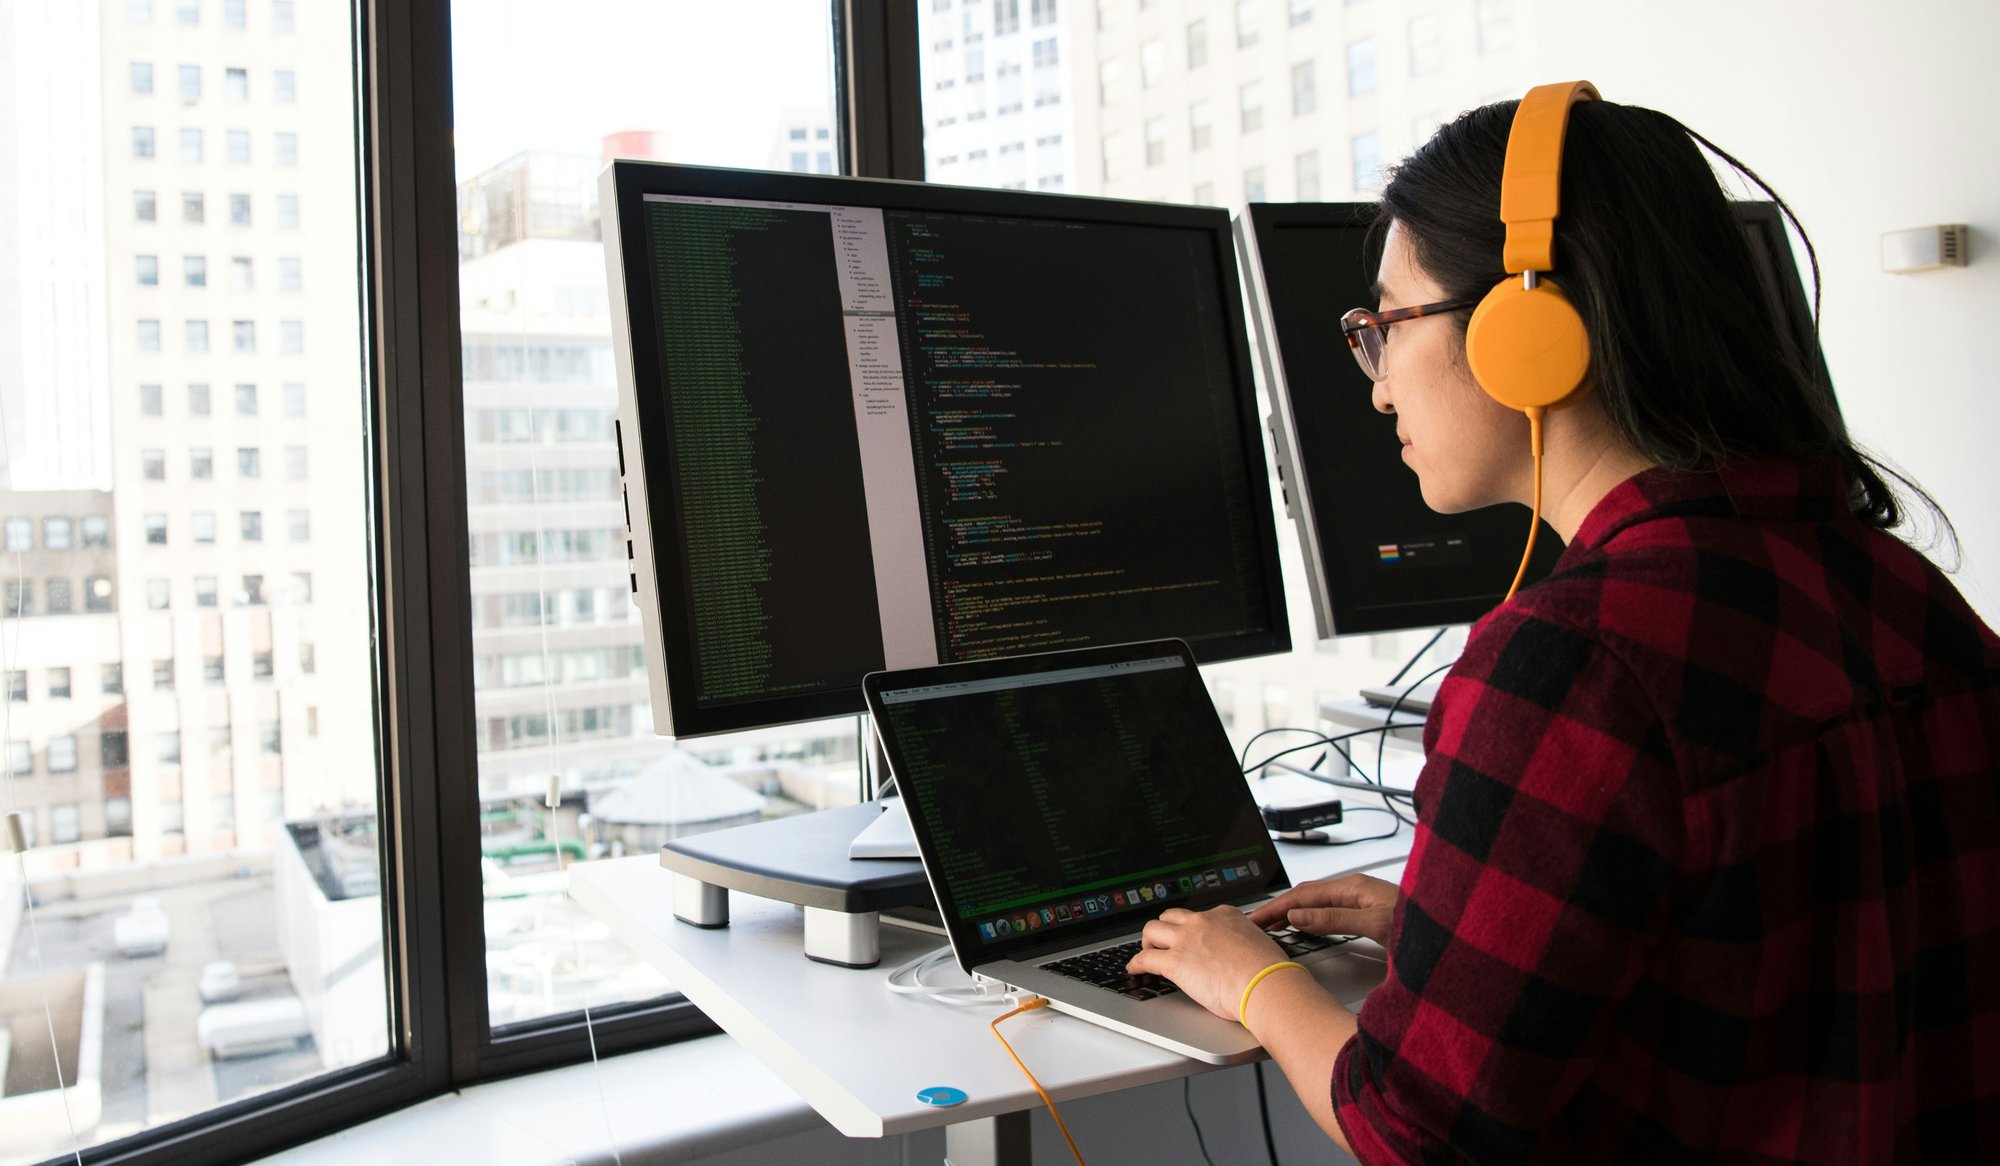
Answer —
(1368, 332)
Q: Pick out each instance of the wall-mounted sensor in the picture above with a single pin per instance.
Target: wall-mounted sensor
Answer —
(1924, 248)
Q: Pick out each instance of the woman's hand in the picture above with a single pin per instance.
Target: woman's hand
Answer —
(1352, 904)
(1211, 955)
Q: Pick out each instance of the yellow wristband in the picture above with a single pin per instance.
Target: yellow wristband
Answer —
(1243, 1009)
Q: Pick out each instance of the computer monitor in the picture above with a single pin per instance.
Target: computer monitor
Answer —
(869, 424)
(1377, 558)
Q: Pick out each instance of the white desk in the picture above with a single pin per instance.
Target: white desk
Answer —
(1351, 714)
(857, 1053)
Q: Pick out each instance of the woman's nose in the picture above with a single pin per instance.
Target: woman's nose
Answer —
(1379, 397)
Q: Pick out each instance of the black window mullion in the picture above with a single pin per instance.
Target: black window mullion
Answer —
(880, 100)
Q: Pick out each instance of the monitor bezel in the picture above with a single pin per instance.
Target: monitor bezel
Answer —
(623, 184)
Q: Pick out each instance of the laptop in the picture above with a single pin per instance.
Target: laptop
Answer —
(1060, 801)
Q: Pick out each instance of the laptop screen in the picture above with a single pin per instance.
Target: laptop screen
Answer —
(1061, 794)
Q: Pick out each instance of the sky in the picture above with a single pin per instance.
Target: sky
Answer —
(716, 77)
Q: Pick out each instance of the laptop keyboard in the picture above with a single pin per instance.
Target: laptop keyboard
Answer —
(1105, 967)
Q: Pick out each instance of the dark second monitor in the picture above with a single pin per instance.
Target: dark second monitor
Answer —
(869, 424)
(1377, 558)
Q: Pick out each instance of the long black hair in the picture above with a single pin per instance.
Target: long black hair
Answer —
(1691, 365)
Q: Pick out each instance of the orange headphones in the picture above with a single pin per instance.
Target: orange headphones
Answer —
(1526, 343)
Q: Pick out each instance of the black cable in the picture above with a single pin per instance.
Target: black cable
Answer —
(1322, 740)
(1389, 717)
(1264, 1111)
(1428, 644)
(1187, 1099)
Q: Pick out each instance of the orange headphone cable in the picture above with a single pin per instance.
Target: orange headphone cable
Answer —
(1535, 413)
(1026, 1006)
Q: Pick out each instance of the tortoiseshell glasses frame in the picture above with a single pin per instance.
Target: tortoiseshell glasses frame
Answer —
(1368, 332)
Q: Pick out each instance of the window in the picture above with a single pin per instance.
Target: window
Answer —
(1114, 156)
(1300, 12)
(1426, 48)
(111, 679)
(251, 523)
(291, 337)
(281, 16)
(156, 530)
(167, 749)
(193, 208)
(20, 535)
(205, 594)
(1043, 12)
(196, 335)
(142, 142)
(1361, 68)
(145, 206)
(253, 591)
(139, 11)
(1246, 23)
(212, 675)
(62, 759)
(191, 145)
(20, 760)
(290, 279)
(190, 83)
(56, 533)
(308, 663)
(1045, 54)
(234, 14)
(298, 525)
(236, 87)
(60, 597)
(159, 594)
(1495, 21)
(59, 684)
(1367, 161)
(198, 400)
(295, 463)
(1201, 125)
(118, 811)
(1156, 141)
(239, 147)
(1197, 43)
(97, 594)
(239, 210)
(1253, 184)
(201, 463)
(112, 753)
(269, 741)
(188, 11)
(1305, 88)
(63, 826)
(153, 464)
(17, 686)
(284, 87)
(246, 400)
(148, 270)
(96, 531)
(243, 335)
(222, 812)
(1251, 104)
(1152, 64)
(163, 674)
(249, 462)
(288, 211)
(142, 77)
(20, 597)
(286, 149)
(152, 401)
(1006, 17)
(194, 270)
(1305, 176)
(202, 523)
(149, 335)
(242, 276)
(295, 399)
(260, 666)
(1110, 81)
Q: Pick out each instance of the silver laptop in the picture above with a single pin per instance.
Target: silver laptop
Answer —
(1060, 801)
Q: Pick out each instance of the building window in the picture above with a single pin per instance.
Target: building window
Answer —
(111, 679)
(139, 11)
(59, 596)
(290, 276)
(63, 827)
(1426, 47)
(1305, 176)
(1301, 11)
(287, 149)
(251, 524)
(269, 742)
(152, 401)
(167, 749)
(239, 147)
(96, 531)
(236, 86)
(1251, 103)
(222, 812)
(201, 463)
(249, 462)
(196, 335)
(202, 522)
(118, 812)
(234, 14)
(62, 759)
(194, 270)
(1305, 88)
(1043, 12)
(1367, 161)
(145, 206)
(295, 463)
(20, 762)
(189, 11)
(1152, 64)
(291, 337)
(197, 400)
(20, 597)
(288, 211)
(190, 83)
(1006, 17)
(284, 87)
(1201, 125)
(1495, 20)
(1361, 68)
(243, 335)
(308, 661)
(1045, 54)
(1197, 43)
(194, 208)
(295, 399)
(239, 210)
(163, 674)
(159, 594)
(153, 464)
(1246, 23)
(142, 77)
(59, 684)
(205, 591)
(112, 751)
(242, 275)
(20, 535)
(17, 686)
(148, 268)
(212, 675)
(191, 150)
(1110, 81)
(260, 666)
(298, 525)
(246, 400)
(1253, 184)
(253, 591)
(156, 530)
(97, 594)
(281, 16)
(1156, 141)
(142, 142)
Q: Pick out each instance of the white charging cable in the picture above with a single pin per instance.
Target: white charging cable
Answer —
(908, 980)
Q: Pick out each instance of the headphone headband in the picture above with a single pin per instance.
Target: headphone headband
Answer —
(1531, 184)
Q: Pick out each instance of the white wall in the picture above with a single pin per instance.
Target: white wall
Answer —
(1867, 118)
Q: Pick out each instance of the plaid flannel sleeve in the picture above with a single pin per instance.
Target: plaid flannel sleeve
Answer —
(1548, 836)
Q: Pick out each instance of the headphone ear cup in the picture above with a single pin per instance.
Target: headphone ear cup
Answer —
(1527, 346)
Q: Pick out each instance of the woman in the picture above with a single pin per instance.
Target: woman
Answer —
(1708, 855)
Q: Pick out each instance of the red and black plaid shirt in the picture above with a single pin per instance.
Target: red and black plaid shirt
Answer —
(1708, 862)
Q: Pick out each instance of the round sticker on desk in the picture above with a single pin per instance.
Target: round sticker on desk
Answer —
(941, 1095)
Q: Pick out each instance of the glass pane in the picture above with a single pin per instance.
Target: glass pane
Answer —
(1238, 101)
(543, 98)
(202, 922)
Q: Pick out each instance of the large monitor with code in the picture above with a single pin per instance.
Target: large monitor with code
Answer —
(868, 424)
(1377, 558)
